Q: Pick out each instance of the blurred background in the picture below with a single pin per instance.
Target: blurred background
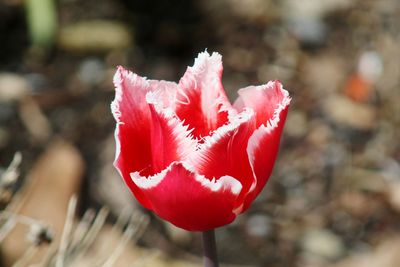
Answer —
(334, 197)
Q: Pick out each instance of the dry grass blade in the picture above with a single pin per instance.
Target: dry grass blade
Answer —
(7, 227)
(60, 258)
(26, 257)
(132, 231)
(82, 229)
(94, 230)
(11, 174)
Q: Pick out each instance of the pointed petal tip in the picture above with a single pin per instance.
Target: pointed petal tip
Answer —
(206, 55)
(205, 60)
(118, 76)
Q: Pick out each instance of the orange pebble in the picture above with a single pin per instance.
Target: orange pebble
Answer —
(358, 89)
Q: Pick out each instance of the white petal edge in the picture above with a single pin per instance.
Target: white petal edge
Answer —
(115, 110)
(266, 128)
(270, 125)
(134, 81)
(213, 64)
(161, 89)
(215, 136)
(223, 183)
(186, 143)
(204, 58)
(234, 122)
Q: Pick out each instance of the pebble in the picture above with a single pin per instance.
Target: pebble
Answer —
(324, 74)
(314, 8)
(13, 87)
(259, 225)
(322, 244)
(305, 18)
(37, 81)
(320, 133)
(256, 10)
(361, 179)
(296, 124)
(345, 112)
(94, 36)
(309, 31)
(91, 71)
(240, 59)
(370, 66)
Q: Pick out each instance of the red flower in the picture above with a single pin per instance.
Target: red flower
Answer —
(189, 155)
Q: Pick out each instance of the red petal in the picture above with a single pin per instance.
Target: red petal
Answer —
(263, 99)
(263, 148)
(134, 120)
(170, 140)
(224, 153)
(201, 99)
(188, 200)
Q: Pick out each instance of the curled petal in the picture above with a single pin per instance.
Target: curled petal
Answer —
(263, 99)
(224, 152)
(189, 200)
(134, 122)
(201, 101)
(263, 149)
(170, 139)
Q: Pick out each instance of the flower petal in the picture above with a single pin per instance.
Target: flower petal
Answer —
(263, 148)
(170, 139)
(188, 200)
(263, 99)
(201, 99)
(224, 153)
(133, 116)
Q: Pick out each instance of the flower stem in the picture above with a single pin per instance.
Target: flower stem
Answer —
(210, 249)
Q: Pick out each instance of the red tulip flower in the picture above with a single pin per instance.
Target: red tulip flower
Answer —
(186, 152)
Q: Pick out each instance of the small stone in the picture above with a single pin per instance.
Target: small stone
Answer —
(314, 8)
(324, 74)
(370, 66)
(297, 124)
(259, 226)
(241, 59)
(309, 31)
(345, 112)
(91, 71)
(13, 87)
(305, 18)
(365, 180)
(95, 36)
(394, 195)
(355, 203)
(321, 244)
(320, 133)
(257, 10)
(267, 72)
(37, 81)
